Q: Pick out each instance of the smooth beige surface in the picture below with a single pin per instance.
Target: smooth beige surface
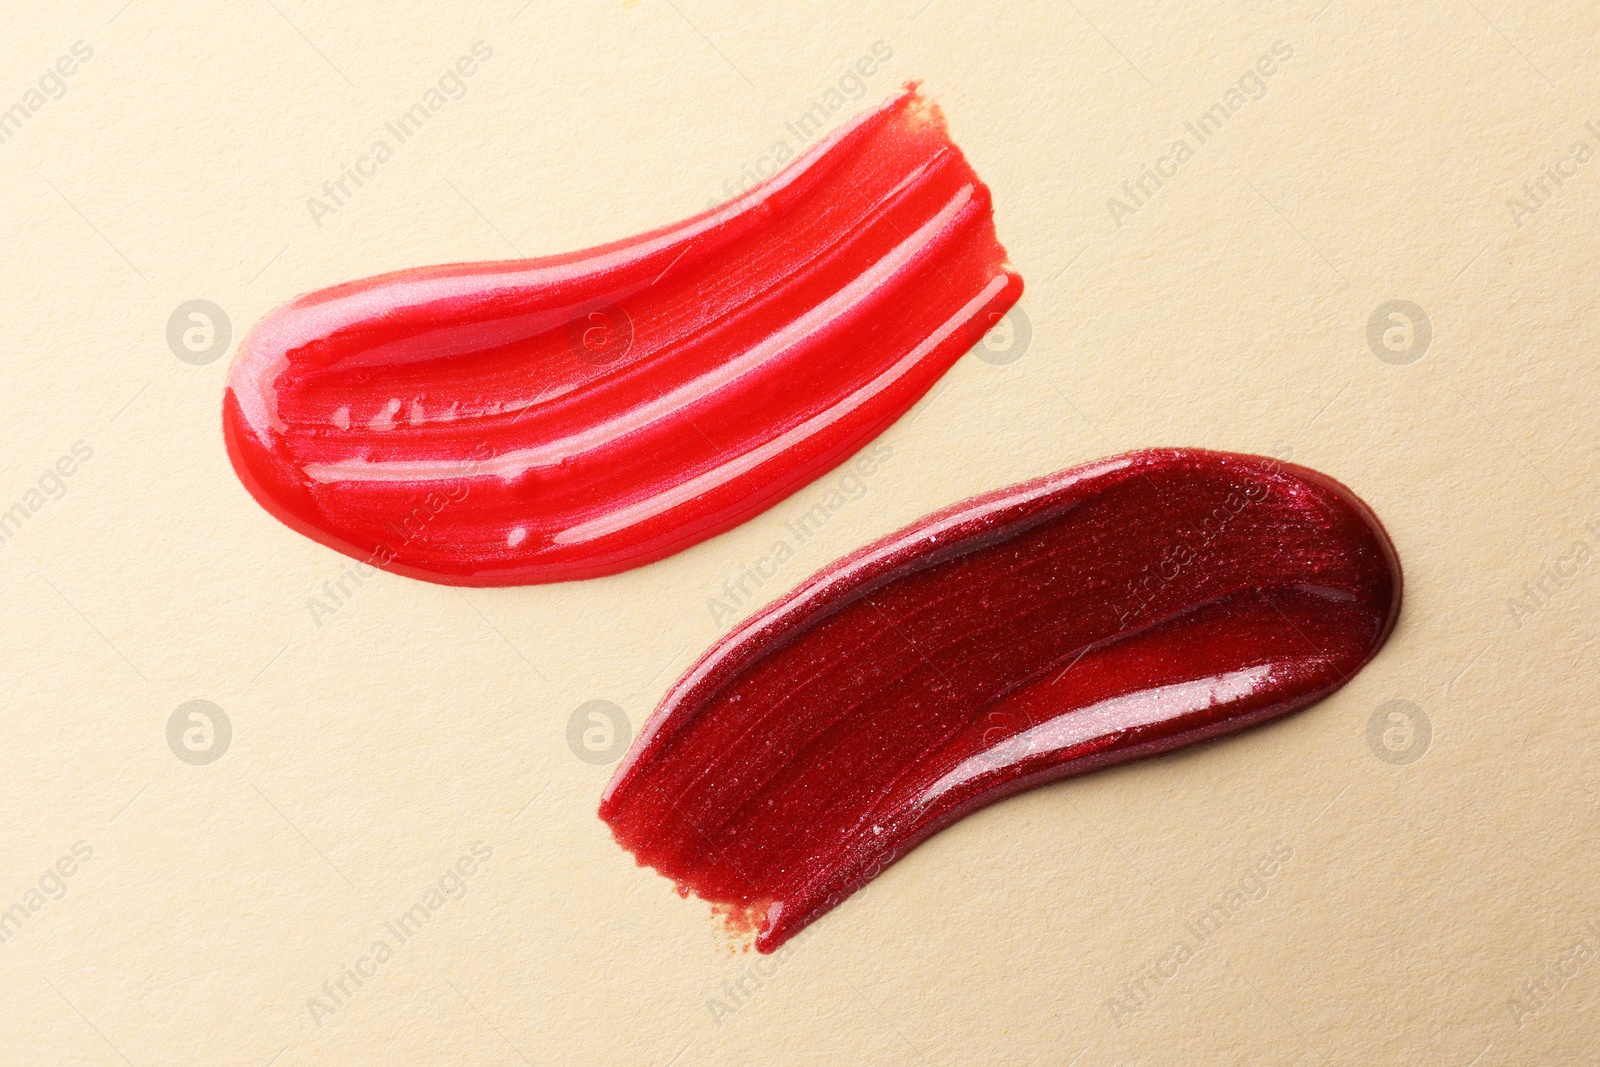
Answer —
(1428, 912)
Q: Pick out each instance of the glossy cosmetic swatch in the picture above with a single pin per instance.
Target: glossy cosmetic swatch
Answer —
(571, 416)
(1114, 611)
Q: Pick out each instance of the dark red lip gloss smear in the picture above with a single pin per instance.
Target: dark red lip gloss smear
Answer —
(1092, 617)
(577, 415)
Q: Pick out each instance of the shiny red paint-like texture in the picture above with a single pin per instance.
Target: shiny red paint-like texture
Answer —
(572, 416)
(1099, 615)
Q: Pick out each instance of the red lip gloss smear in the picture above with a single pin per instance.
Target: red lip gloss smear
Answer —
(572, 416)
(1088, 618)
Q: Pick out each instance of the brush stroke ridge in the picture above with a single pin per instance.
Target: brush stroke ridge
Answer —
(1103, 614)
(576, 415)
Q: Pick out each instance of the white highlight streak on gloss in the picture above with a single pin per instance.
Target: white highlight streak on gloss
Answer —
(694, 487)
(1102, 719)
(263, 354)
(512, 464)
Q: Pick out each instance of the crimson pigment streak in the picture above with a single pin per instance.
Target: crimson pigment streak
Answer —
(1103, 614)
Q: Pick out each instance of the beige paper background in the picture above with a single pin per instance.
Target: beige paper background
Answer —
(371, 752)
